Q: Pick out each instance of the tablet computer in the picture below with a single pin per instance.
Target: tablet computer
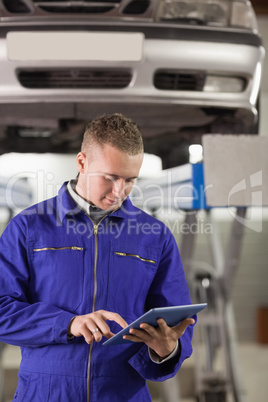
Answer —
(172, 315)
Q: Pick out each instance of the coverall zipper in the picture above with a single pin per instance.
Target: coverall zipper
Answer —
(59, 248)
(94, 299)
(134, 255)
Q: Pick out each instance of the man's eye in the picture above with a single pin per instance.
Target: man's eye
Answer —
(109, 178)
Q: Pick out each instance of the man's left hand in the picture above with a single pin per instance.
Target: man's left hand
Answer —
(162, 339)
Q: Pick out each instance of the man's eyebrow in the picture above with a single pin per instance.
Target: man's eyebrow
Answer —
(117, 177)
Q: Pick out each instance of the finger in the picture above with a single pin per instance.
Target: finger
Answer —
(162, 324)
(108, 315)
(188, 321)
(85, 325)
(98, 319)
(149, 329)
(140, 334)
(90, 330)
(110, 335)
(87, 334)
(97, 335)
(132, 338)
(104, 328)
(183, 325)
(92, 333)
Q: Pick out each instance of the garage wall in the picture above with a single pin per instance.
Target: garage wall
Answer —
(250, 288)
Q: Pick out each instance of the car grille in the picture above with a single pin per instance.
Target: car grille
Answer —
(133, 7)
(85, 6)
(179, 80)
(75, 78)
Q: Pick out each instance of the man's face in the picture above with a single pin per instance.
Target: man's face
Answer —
(107, 175)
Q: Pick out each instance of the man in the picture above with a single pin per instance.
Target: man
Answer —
(87, 256)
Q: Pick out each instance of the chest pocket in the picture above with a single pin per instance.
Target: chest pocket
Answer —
(57, 273)
(131, 271)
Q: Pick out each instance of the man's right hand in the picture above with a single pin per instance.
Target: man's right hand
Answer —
(93, 326)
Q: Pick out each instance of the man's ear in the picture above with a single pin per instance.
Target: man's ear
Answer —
(81, 162)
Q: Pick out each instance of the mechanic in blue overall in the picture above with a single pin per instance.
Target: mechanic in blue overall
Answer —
(78, 267)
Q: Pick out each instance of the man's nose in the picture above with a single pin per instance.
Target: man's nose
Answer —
(119, 188)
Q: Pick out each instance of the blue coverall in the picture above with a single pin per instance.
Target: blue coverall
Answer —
(56, 264)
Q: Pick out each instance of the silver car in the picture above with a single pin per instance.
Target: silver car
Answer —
(179, 68)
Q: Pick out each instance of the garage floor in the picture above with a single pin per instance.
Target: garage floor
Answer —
(254, 372)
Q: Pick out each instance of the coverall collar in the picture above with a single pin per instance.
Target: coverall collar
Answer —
(67, 206)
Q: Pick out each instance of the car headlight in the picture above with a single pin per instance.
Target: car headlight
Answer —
(243, 16)
(217, 13)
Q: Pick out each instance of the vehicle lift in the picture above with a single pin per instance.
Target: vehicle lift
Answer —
(184, 188)
(215, 331)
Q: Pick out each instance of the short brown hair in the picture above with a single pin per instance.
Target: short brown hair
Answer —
(116, 130)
